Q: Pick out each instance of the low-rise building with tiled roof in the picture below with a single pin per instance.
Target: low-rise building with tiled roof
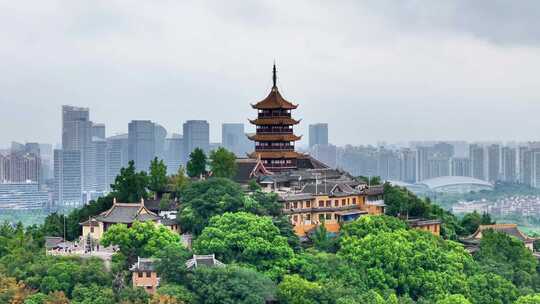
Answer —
(329, 203)
(472, 242)
(123, 213)
(144, 275)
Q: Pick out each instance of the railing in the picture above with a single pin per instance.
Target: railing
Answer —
(283, 148)
(274, 131)
(271, 115)
(320, 209)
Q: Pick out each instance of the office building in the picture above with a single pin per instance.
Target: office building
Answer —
(98, 168)
(67, 178)
(160, 134)
(234, 139)
(326, 154)
(98, 130)
(196, 135)
(318, 134)
(174, 151)
(422, 157)
(141, 143)
(116, 156)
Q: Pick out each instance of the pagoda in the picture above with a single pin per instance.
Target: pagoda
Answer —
(274, 139)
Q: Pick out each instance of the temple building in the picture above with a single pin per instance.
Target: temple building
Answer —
(472, 242)
(275, 138)
(123, 213)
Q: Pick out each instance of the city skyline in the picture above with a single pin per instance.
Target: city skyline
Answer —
(422, 70)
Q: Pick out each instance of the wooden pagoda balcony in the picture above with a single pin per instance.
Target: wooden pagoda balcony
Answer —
(276, 115)
(270, 148)
(274, 131)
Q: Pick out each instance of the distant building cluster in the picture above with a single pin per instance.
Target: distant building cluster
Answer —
(419, 161)
(521, 205)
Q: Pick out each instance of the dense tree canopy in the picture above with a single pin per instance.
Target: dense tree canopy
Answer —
(142, 239)
(506, 256)
(130, 186)
(196, 165)
(157, 180)
(231, 284)
(223, 163)
(412, 262)
(246, 238)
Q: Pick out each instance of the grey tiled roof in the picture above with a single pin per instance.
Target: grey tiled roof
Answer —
(126, 213)
(205, 260)
(143, 265)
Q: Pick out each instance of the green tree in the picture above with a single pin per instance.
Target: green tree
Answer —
(246, 238)
(296, 290)
(179, 181)
(372, 224)
(322, 240)
(203, 199)
(178, 292)
(196, 165)
(133, 296)
(230, 284)
(223, 163)
(92, 294)
(506, 256)
(171, 263)
(142, 239)
(411, 262)
(454, 299)
(529, 299)
(130, 186)
(157, 181)
(491, 289)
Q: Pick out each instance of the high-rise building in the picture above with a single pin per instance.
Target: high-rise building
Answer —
(388, 164)
(174, 151)
(98, 169)
(509, 162)
(46, 155)
(476, 155)
(326, 154)
(141, 143)
(160, 134)
(98, 130)
(408, 165)
(318, 134)
(67, 178)
(77, 136)
(494, 162)
(234, 139)
(116, 156)
(20, 167)
(438, 166)
(196, 135)
(442, 149)
(461, 166)
(422, 157)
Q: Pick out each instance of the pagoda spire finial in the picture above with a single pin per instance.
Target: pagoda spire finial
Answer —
(274, 76)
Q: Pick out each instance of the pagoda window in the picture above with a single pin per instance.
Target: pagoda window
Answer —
(308, 217)
(287, 205)
(336, 203)
(321, 217)
(295, 205)
(343, 201)
(329, 216)
(308, 204)
(328, 203)
(354, 200)
(321, 203)
(140, 274)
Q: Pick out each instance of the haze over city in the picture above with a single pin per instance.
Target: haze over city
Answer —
(374, 70)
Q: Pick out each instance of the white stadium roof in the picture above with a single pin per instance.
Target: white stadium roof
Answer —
(445, 181)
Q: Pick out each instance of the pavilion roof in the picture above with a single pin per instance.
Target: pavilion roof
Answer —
(274, 100)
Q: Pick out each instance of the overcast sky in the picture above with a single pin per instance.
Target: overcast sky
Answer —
(374, 70)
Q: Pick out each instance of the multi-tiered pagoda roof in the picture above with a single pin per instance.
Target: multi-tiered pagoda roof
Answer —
(275, 138)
